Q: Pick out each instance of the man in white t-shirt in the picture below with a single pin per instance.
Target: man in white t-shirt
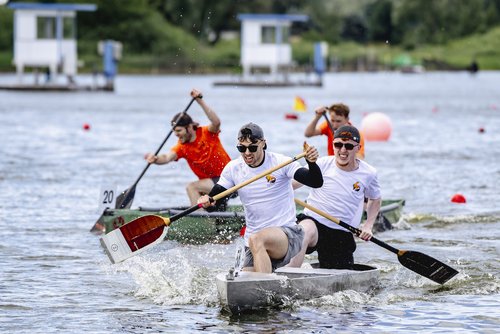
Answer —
(346, 182)
(272, 236)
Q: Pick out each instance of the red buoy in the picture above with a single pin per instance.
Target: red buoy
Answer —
(291, 116)
(481, 130)
(458, 198)
(86, 126)
(242, 231)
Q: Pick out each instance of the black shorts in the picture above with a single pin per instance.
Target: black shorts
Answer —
(335, 247)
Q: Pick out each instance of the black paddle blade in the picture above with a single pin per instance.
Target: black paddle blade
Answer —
(125, 199)
(426, 266)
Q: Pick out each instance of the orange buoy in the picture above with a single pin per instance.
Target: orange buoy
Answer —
(458, 198)
(291, 116)
(376, 126)
(86, 126)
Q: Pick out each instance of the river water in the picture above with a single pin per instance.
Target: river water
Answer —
(55, 277)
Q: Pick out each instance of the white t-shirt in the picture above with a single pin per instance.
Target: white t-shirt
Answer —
(342, 194)
(267, 201)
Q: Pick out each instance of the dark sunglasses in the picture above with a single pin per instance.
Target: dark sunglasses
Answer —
(251, 148)
(348, 146)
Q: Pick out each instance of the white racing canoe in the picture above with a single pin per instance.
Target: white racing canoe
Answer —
(250, 290)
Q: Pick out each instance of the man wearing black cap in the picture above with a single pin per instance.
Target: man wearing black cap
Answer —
(272, 236)
(200, 146)
(347, 180)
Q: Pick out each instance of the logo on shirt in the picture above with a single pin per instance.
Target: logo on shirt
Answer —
(356, 186)
(270, 178)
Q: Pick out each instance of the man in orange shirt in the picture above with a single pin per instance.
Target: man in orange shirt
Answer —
(339, 116)
(200, 146)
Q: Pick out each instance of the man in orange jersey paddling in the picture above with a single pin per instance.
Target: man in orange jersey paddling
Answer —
(200, 146)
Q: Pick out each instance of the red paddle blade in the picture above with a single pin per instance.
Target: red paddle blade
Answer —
(427, 266)
(134, 237)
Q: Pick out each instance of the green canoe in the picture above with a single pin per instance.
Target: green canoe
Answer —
(202, 227)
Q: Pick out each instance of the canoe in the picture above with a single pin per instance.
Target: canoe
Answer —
(202, 227)
(199, 227)
(252, 291)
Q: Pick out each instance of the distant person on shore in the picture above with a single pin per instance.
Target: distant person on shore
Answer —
(347, 180)
(200, 146)
(473, 67)
(339, 116)
(272, 236)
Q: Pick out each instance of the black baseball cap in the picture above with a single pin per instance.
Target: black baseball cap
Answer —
(251, 131)
(347, 132)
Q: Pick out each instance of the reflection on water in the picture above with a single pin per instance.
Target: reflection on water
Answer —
(53, 272)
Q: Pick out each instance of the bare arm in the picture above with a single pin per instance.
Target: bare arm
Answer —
(296, 184)
(311, 129)
(372, 210)
(214, 125)
(161, 159)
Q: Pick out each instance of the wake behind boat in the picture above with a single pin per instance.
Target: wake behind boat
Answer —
(246, 291)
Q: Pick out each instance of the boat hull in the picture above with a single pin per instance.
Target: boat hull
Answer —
(252, 291)
(202, 227)
(196, 228)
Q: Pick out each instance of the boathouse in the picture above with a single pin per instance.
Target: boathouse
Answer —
(45, 38)
(266, 54)
(264, 42)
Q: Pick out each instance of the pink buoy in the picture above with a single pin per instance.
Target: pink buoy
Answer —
(376, 126)
(458, 198)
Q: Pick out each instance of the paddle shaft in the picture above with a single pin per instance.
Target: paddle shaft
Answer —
(329, 124)
(233, 189)
(165, 140)
(127, 195)
(352, 229)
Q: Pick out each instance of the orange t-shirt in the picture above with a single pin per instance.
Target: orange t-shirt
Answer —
(325, 130)
(205, 155)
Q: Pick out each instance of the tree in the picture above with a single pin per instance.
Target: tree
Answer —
(379, 20)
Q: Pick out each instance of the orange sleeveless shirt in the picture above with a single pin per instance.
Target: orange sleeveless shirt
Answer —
(205, 156)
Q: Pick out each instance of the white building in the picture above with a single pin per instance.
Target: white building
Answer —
(44, 37)
(264, 41)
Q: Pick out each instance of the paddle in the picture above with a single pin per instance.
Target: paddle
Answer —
(329, 123)
(418, 262)
(125, 199)
(147, 231)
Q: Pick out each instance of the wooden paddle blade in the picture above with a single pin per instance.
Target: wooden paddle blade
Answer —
(125, 199)
(134, 237)
(427, 266)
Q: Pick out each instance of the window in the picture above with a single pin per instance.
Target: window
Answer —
(46, 27)
(268, 35)
(68, 28)
(273, 35)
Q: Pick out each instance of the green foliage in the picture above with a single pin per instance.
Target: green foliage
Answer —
(185, 35)
(5, 28)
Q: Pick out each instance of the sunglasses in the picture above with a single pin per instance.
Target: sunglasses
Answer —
(251, 148)
(347, 146)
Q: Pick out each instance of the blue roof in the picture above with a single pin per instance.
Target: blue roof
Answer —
(279, 17)
(52, 6)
